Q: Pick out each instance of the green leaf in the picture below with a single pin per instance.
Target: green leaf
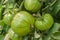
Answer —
(54, 29)
(25, 38)
(1, 26)
(1, 23)
(40, 38)
(1, 37)
(10, 3)
(53, 7)
(56, 7)
(5, 29)
(56, 35)
(1, 12)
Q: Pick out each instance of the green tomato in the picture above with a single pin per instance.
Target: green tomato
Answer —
(22, 22)
(45, 23)
(7, 19)
(13, 36)
(32, 5)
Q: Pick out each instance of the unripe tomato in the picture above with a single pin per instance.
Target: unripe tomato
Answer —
(45, 23)
(32, 5)
(22, 22)
(13, 36)
(7, 19)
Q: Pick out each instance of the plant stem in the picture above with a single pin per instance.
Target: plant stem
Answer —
(49, 5)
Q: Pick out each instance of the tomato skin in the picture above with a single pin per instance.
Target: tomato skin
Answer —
(13, 36)
(7, 19)
(22, 22)
(44, 24)
(32, 5)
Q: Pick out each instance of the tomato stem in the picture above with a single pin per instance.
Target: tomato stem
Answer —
(38, 15)
(49, 5)
(21, 5)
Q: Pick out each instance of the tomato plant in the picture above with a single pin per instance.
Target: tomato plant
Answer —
(29, 19)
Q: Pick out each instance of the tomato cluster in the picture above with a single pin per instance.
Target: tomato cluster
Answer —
(23, 22)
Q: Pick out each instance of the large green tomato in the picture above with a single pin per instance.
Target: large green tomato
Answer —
(7, 19)
(13, 36)
(45, 23)
(32, 5)
(22, 23)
